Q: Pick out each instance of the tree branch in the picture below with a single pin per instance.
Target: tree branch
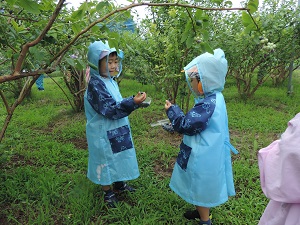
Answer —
(5, 102)
(25, 48)
(19, 18)
(6, 78)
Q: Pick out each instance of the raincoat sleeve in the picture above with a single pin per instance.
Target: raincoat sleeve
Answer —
(103, 103)
(195, 120)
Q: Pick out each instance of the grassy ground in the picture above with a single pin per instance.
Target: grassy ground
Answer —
(43, 161)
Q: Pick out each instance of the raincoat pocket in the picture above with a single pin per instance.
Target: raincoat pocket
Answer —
(183, 156)
(120, 139)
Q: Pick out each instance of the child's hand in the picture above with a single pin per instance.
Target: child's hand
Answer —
(168, 105)
(139, 98)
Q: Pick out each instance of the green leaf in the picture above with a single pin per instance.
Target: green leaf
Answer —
(53, 33)
(130, 48)
(84, 6)
(76, 28)
(256, 38)
(249, 28)
(114, 35)
(246, 19)
(102, 5)
(10, 2)
(78, 14)
(204, 34)
(253, 5)
(15, 25)
(80, 64)
(199, 13)
(127, 14)
(12, 33)
(206, 47)
(95, 29)
(228, 3)
(71, 62)
(217, 1)
(29, 6)
(189, 41)
(37, 53)
(184, 36)
(113, 40)
(186, 32)
(113, 43)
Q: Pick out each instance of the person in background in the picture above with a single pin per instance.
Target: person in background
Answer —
(279, 166)
(112, 157)
(202, 174)
(40, 83)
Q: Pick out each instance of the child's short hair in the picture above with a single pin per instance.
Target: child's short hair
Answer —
(104, 54)
(193, 74)
(113, 54)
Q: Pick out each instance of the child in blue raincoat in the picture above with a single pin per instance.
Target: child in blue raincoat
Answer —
(202, 174)
(112, 157)
(40, 83)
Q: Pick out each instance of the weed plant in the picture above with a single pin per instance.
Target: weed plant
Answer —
(44, 160)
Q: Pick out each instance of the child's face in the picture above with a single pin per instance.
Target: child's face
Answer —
(195, 84)
(194, 81)
(112, 66)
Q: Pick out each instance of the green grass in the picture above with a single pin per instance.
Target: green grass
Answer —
(44, 160)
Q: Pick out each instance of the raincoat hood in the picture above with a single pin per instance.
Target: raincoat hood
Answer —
(97, 51)
(212, 70)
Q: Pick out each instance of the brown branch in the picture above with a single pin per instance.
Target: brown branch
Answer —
(22, 95)
(79, 92)
(253, 19)
(1, 63)
(25, 48)
(5, 102)
(194, 28)
(18, 18)
(5, 125)
(6, 78)
(12, 48)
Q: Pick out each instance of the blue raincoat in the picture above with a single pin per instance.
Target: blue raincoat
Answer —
(40, 82)
(112, 154)
(203, 173)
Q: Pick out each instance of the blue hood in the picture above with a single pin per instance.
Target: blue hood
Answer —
(98, 50)
(212, 69)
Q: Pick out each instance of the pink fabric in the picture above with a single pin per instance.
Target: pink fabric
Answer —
(279, 166)
(87, 74)
(278, 213)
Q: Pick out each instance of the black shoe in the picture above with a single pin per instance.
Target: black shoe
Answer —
(191, 214)
(110, 199)
(123, 188)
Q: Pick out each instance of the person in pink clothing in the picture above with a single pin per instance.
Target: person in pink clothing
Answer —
(279, 166)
